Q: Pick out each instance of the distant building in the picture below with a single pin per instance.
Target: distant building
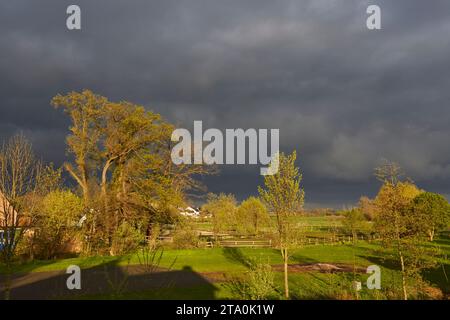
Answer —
(8, 219)
(6, 212)
(190, 212)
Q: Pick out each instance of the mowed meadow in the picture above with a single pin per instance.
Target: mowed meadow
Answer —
(223, 267)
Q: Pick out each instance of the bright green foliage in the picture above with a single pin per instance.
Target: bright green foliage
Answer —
(354, 222)
(257, 284)
(185, 236)
(284, 197)
(57, 224)
(282, 194)
(252, 215)
(222, 208)
(394, 219)
(398, 225)
(432, 212)
(126, 239)
(122, 164)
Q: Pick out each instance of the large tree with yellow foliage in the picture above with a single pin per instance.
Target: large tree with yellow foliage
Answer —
(121, 161)
(398, 225)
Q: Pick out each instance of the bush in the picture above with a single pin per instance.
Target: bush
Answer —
(222, 209)
(251, 216)
(56, 225)
(185, 237)
(126, 239)
(257, 285)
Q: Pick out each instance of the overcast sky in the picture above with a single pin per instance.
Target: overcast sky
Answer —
(343, 96)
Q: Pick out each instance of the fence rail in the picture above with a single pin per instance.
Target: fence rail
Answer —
(246, 243)
(263, 243)
(340, 239)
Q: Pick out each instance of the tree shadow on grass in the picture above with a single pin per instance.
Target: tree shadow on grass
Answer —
(110, 281)
(235, 255)
(438, 276)
(322, 286)
(385, 262)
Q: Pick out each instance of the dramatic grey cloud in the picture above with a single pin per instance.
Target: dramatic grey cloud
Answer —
(343, 96)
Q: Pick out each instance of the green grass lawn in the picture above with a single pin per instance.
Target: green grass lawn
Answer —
(216, 259)
(234, 262)
(223, 259)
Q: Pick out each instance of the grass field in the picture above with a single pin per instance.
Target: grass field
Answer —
(233, 262)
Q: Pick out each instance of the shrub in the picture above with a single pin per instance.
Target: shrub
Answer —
(257, 285)
(126, 239)
(251, 216)
(56, 225)
(185, 237)
(222, 209)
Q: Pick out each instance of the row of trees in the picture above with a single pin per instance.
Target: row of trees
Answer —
(401, 214)
(404, 217)
(428, 211)
(249, 218)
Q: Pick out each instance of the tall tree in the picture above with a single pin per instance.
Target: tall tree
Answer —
(155, 184)
(122, 152)
(84, 109)
(20, 174)
(394, 221)
(284, 197)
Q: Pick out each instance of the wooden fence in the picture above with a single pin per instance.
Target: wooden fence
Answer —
(337, 240)
(245, 243)
(267, 243)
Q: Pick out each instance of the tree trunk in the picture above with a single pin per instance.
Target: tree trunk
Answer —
(82, 181)
(431, 234)
(7, 285)
(85, 194)
(400, 254)
(109, 224)
(105, 177)
(286, 282)
(402, 263)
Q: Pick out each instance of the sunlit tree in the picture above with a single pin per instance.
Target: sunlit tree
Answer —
(284, 197)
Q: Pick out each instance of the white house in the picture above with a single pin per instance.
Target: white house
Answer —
(190, 212)
(6, 211)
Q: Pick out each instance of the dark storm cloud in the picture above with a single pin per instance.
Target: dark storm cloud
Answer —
(343, 96)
